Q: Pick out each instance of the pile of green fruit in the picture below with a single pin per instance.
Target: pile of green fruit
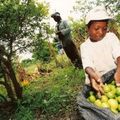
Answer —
(110, 99)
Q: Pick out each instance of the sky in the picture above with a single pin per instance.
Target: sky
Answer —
(64, 7)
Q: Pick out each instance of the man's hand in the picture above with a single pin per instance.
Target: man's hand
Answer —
(58, 33)
(99, 81)
(117, 78)
(97, 86)
(95, 79)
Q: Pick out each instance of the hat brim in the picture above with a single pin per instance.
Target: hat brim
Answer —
(97, 13)
(87, 22)
(55, 15)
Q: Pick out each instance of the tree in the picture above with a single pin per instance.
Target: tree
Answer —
(20, 22)
(41, 51)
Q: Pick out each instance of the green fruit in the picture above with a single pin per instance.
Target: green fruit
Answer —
(113, 82)
(105, 105)
(106, 88)
(104, 98)
(98, 103)
(118, 91)
(92, 98)
(118, 99)
(119, 107)
(91, 93)
(110, 94)
(114, 111)
(112, 87)
(113, 103)
(88, 99)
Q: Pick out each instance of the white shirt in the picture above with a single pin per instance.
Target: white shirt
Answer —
(101, 55)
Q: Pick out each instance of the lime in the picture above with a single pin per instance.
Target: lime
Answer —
(113, 82)
(114, 111)
(105, 105)
(119, 107)
(91, 93)
(112, 87)
(118, 91)
(118, 99)
(104, 98)
(98, 103)
(106, 88)
(92, 98)
(113, 103)
(110, 94)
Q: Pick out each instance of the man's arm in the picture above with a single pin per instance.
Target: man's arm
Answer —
(91, 73)
(66, 29)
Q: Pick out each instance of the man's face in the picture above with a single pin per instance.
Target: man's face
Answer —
(57, 18)
(97, 30)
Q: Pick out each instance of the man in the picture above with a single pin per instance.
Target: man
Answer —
(100, 53)
(63, 33)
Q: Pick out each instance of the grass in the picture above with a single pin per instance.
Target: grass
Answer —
(50, 96)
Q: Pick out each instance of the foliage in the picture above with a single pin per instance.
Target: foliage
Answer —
(41, 51)
(84, 6)
(46, 97)
(20, 22)
(79, 32)
(3, 94)
(26, 62)
(23, 113)
(43, 47)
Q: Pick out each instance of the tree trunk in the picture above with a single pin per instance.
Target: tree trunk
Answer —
(8, 87)
(11, 74)
(10, 92)
(6, 83)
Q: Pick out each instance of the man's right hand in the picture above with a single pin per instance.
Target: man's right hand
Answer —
(94, 85)
(58, 33)
(97, 86)
(95, 79)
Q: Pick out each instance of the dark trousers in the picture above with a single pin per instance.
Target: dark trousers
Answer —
(72, 52)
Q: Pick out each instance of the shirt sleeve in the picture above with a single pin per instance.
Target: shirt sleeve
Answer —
(115, 46)
(66, 29)
(86, 57)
